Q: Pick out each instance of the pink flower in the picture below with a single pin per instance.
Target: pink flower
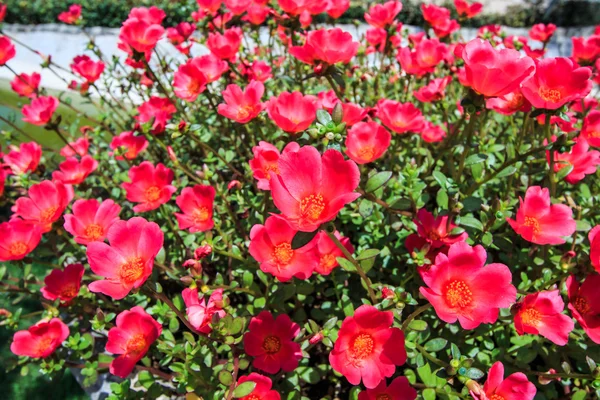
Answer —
(72, 16)
(132, 145)
(591, 128)
(127, 261)
(26, 85)
(262, 390)
(509, 103)
(7, 50)
(538, 221)
(200, 312)
(292, 112)
(467, 10)
(584, 304)
(87, 69)
(541, 32)
(594, 239)
(141, 34)
(266, 159)
(150, 186)
(79, 147)
(400, 117)
(157, 110)
(18, 238)
(40, 111)
(63, 285)
(91, 220)
(541, 314)
(74, 171)
(383, 15)
(41, 339)
(24, 159)
(211, 66)
(399, 389)
(329, 46)
(432, 133)
(189, 81)
(327, 252)
(583, 160)
(366, 142)
(242, 106)
(226, 45)
(434, 91)
(514, 387)
(46, 202)
(197, 206)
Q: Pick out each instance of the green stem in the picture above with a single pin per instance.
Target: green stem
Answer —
(415, 314)
(551, 177)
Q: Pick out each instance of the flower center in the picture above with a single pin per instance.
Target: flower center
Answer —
(132, 270)
(581, 305)
(594, 134)
(283, 253)
(327, 261)
(400, 124)
(533, 223)
(550, 95)
(44, 344)
(383, 397)
(458, 294)
(270, 167)
(433, 235)
(136, 344)
(367, 152)
(152, 194)
(312, 207)
(69, 291)
(245, 111)
(17, 249)
(48, 214)
(496, 397)
(271, 345)
(516, 102)
(363, 346)
(94, 232)
(253, 397)
(531, 317)
(201, 214)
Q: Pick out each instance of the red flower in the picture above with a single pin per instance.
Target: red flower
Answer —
(127, 262)
(583, 160)
(180, 33)
(594, 239)
(40, 111)
(590, 130)
(17, 239)
(157, 110)
(3, 8)
(266, 158)
(353, 113)
(432, 133)
(336, 8)
(74, 171)
(242, 106)
(211, 66)
(492, 72)
(133, 145)
(439, 19)
(433, 232)
(400, 117)
(270, 341)
(366, 142)
(383, 15)
(237, 7)
(141, 34)
(87, 69)
(24, 159)
(460, 288)
(71, 16)
(399, 389)
(585, 50)
(584, 304)
(509, 103)
(428, 53)
(464, 9)
(150, 186)
(557, 81)
(271, 246)
(541, 314)
(327, 252)
(26, 85)
(77, 148)
(367, 347)
(41, 339)
(584, 106)
(541, 32)
(259, 71)
(197, 206)
(262, 390)
(256, 14)
(7, 50)
(226, 45)
(189, 80)
(209, 6)
(292, 112)
(330, 46)
(514, 387)
(434, 91)
(200, 312)
(538, 221)
(310, 189)
(135, 332)
(63, 285)
(46, 203)
(91, 220)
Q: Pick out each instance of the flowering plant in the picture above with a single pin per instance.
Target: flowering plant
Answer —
(310, 215)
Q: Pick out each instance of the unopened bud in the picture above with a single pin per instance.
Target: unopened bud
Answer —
(474, 387)
(337, 115)
(316, 338)
(330, 136)
(234, 184)
(387, 293)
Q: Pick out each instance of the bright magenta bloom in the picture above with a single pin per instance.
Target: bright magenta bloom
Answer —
(594, 239)
(141, 34)
(329, 46)
(79, 147)
(583, 160)
(434, 91)
(157, 110)
(40, 111)
(197, 206)
(74, 171)
(366, 142)
(586, 50)
(336, 8)
(311, 189)
(266, 159)
(135, 332)
(71, 16)
(226, 45)
(584, 304)
(262, 390)
(493, 72)
(150, 186)
(24, 158)
(464, 9)
(590, 130)
(242, 106)
(87, 69)
(383, 15)
(367, 347)
(91, 220)
(509, 103)
(400, 117)
(132, 145)
(514, 387)
(7, 50)
(427, 55)
(63, 285)
(271, 246)
(327, 252)
(461, 288)
(292, 112)
(199, 311)
(432, 133)
(270, 341)
(541, 32)
(26, 85)
(41, 339)
(46, 202)
(18, 238)
(538, 221)
(399, 389)
(189, 80)
(211, 66)
(541, 314)
(433, 232)
(557, 81)
(127, 261)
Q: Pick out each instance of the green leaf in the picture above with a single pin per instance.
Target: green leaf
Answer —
(582, 226)
(225, 377)
(475, 159)
(346, 264)
(426, 376)
(455, 351)
(303, 238)
(244, 389)
(429, 394)
(435, 345)
(365, 208)
(365, 254)
(417, 325)
(442, 199)
(402, 204)
(471, 222)
(440, 179)
(564, 171)
(508, 171)
(323, 117)
(377, 181)
(474, 373)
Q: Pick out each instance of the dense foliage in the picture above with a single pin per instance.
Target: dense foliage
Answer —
(308, 215)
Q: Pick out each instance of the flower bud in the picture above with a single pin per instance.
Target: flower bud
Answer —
(474, 387)
(316, 338)
(234, 184)
(337, 115)
(387, 293)
(202, 251)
